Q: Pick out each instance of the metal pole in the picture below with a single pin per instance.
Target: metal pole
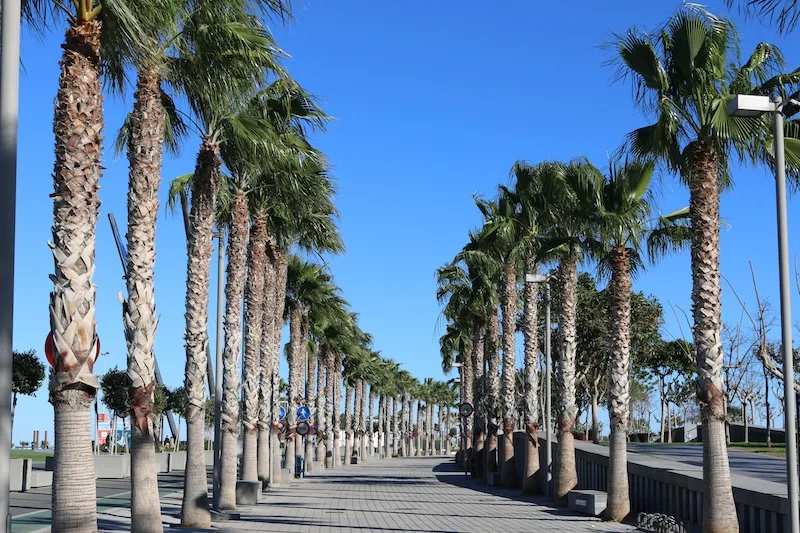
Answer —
(549, 440)
(9, 114)
(218, 380)
(786, 320)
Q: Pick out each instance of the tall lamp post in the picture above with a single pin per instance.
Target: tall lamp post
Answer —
(538, 278)
(9, 112)
(754, 106)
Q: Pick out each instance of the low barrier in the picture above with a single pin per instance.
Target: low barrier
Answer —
(676, 489)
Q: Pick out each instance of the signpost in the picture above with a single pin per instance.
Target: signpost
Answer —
(281, 413)
(303, 413)
(303, 428)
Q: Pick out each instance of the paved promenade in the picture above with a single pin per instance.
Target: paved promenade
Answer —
(414, 495)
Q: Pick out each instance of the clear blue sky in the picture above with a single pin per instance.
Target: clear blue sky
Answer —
(433, 102)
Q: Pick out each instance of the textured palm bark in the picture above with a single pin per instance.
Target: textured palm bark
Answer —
(386, 428)
(195, 512)
(363, 425)
(566, 477)
(531, 354)
(253, 318)
(357, 391)
(319, 414)
(418, 426)
(619, 504)
(381, 426)
(719, 511)
(265, 368)
(234, 293)
(468, 396)
(493, 381)
(395, 427)
(145, 148)
(428, 429)
(77, 124)
(370, 419)
(295, 363)
(478, 400)
(407, 425)
(348, 424)
(281, 273)
(509, 308)
(337, 399)
(330, 424)
(310, 401)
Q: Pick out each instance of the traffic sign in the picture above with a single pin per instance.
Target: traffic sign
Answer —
(466, 409)
(303, 413)
(281, 427)
(281, 413)
(303, 428)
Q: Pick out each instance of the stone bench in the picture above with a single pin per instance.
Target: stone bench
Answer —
(591, 502)
(40, 478)
(248, 492)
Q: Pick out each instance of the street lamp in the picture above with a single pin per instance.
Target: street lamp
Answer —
(753, 106)
(538, 278)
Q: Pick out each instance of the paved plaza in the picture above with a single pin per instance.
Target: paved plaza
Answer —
(415, 495)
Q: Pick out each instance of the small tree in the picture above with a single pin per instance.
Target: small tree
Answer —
(114, 386)
(27, 377)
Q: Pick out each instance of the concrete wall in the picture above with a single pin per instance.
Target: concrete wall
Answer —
(112, 466)
(177, 461)
(676, 489)
(18, 473)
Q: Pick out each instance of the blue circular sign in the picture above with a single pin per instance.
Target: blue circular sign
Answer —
(303, 413)
(281, 413)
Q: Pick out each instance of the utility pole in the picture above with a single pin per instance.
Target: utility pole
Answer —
(9, 117)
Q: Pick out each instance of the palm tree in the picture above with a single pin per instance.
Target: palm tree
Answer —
(78, 128)
(785, 12)
(573, 194)
(690, 70)
(501, 239)
(529, 194)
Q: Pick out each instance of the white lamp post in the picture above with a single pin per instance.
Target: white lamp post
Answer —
(538, 278)
(754, 106)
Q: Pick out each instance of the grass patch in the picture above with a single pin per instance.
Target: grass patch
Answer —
(30, 454)
(777, 450)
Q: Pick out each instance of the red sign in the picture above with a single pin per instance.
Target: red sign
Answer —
(48, 349)
(102, 436)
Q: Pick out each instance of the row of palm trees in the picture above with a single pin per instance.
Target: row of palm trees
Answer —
(207, 67)
(567, 214)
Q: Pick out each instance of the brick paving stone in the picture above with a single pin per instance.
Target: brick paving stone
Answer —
(381, 496)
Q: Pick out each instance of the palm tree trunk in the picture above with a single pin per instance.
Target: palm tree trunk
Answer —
(530, 332)
(492, 357)
(78, 123)
(386, 428)
(234, 293)
(395, 427)
(357, 418)
(371, 427)
(619, 504)
(280, 266)
(330, 426)
(296, 358)
(363, 417)
(311, 400)
(478, 401)
(381, 425)
(719, 511)
(337, 399)
(253, 312)
(509, 308)
(319, 416)
(265, 367)
(430, 429)
(145, 146)
(348, 424)
(566, 477)
(195, 512)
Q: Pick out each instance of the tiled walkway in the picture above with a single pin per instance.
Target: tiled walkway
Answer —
(380, 496)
